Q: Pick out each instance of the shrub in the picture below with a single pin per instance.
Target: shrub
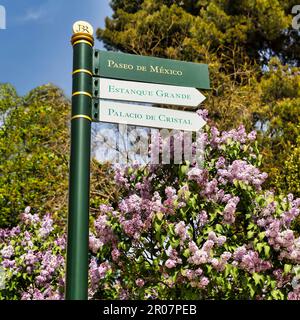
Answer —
(177, 232)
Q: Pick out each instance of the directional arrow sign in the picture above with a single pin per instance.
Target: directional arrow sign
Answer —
(149, 92)
(119, 112)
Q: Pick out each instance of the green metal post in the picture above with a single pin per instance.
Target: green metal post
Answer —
(79, 180)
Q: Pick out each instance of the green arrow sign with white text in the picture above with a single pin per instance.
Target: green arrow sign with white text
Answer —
(149, 69)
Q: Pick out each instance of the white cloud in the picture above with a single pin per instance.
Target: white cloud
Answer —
(43, 12)
(34, 14)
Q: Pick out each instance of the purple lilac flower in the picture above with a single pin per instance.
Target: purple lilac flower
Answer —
(198, 175)
(221, 240)
(94, 243)
(220, 164)
(203, 218)
(104, 231)
(7, 252)
(203, 282)
(61, 242)
(115, 254)
(181, 230)
(229, 210)
(199, 257)
(242, 171)
(46, 226)
(170, 264)
(140, 282)
(249, 260)
(203, 113)
(208, 245)
(8, 264)
(30, 258)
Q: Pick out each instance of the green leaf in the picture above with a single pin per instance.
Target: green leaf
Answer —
(267, 250)
(251, 289)
(175, 242)
(157, 227)
(159, 216)
(261, 235)
(186, 253)
(277, 294)
(287, 268)
(219, 228)
(250, 234)
(258, 278)
(171, 229)
(184, 169)
(259, 247)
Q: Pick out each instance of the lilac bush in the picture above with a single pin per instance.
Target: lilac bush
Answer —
(177, 232)
(33, 257)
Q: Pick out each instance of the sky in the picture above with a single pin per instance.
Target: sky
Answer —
(35, 47)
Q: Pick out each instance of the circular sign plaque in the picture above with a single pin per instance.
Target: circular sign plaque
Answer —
(83, 27)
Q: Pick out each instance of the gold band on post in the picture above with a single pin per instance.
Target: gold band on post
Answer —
(83, 70)
(82, 36)
(82, 41)
(81, 116)
(82, 92)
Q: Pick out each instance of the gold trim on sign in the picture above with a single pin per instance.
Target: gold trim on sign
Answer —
(81, 116)
(83, 70)
(82, 92)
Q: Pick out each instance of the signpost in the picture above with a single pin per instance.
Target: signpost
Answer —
(149, 93)
(160, 81)
(79, 177)
(118, 112)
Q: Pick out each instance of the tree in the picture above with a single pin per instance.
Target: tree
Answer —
(34, 155)
(258, 28)
(278, 119)
(34, 152)
(290, 173)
